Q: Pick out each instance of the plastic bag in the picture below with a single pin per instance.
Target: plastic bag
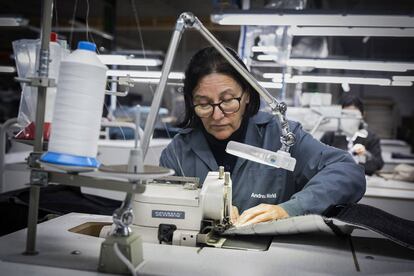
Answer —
(26, 55)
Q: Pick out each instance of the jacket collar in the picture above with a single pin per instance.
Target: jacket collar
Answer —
(199, 145)
(254, 134)
(262, 118)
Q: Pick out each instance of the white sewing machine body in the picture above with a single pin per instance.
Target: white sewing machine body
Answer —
(184, 205)
(168, 203)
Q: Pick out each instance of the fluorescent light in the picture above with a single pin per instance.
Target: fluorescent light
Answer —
(333, 79)
(281, 78)
(154, 81)
(143, 74)
(342, 64)
(267, 57)
(271, 84)
(403, 78)
(7, 69)
(266, 49)
(145, 80)
(401, 83)
(80, 28)
(83, 27)
(313, 19)
(278, 78)
(345, 81)
(275, 75)
(351, 64)
(340, 80)
(13, 21)
(128, 60)
(353, 31)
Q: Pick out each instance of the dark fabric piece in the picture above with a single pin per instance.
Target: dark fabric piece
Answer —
(54, 199)
(400, 155)
(392, 227)
(218, 147)
(13, 216)
(372, 144)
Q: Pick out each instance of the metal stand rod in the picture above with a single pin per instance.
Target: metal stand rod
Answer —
(159, 92)
(32, 221)
(39, 121)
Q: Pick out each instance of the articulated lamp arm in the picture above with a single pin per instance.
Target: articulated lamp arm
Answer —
(188, 20)
(278, 109)
(159, 92)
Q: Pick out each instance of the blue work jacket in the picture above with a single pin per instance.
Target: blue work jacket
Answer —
(323, 175)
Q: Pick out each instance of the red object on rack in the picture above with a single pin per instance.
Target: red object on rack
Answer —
(28, 133)
(53, 37)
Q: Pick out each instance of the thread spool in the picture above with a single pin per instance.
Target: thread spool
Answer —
(78, 109)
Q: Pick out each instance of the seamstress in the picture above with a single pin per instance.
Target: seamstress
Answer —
(221, 106)
(369, 146)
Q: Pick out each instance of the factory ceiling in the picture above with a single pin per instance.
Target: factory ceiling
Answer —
(128, 25)
(115, 23)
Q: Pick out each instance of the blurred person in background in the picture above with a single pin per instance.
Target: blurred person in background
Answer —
(366, 147)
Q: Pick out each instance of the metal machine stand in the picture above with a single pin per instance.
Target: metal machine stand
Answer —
(42, 82)
(122, 240)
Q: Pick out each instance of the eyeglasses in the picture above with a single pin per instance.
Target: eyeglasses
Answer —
(229, 106)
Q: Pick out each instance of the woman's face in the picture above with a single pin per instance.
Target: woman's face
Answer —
(213, 89)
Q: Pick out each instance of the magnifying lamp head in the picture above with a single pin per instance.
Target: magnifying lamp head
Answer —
(280, 159)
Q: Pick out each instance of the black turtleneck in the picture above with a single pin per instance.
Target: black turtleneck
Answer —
(218, 147)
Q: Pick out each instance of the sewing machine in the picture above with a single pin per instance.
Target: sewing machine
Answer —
(181, 211)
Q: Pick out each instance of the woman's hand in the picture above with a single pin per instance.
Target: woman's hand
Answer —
(359, 149)
(234, 215)
(260, 213)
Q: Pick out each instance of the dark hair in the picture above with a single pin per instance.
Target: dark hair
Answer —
(207, 61)
(348, 100)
